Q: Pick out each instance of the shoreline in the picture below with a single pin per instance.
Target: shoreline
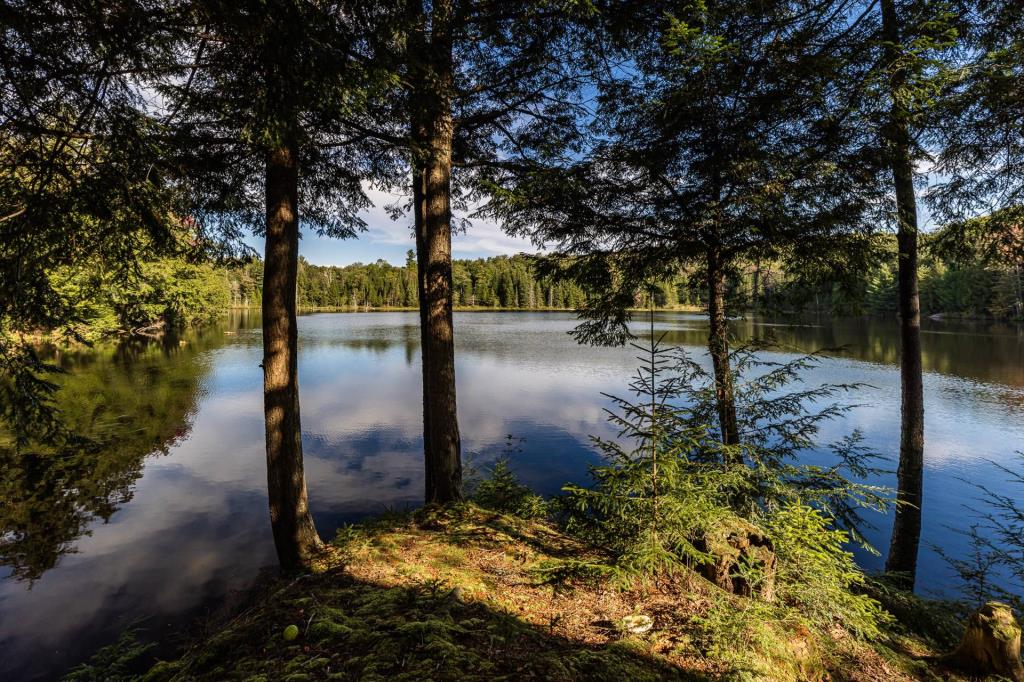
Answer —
(471, 593)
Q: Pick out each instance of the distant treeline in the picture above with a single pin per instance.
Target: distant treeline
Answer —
(967, 277)
(498, 282)
(970, 271)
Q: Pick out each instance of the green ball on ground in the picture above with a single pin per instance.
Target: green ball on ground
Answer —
(291, 632)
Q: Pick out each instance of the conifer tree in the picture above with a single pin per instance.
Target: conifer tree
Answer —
(479, 77)
(906, 531)
(979, 138)
(721, 133)
(431, 72)
(81, 178)
(910, 77)
(978, 134)
(655, 492)
(257, 122)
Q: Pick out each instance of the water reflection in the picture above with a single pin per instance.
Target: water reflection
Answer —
(982, 351)
(128, 402)
(169, 517)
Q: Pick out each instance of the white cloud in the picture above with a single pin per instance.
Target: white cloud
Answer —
(481, 237)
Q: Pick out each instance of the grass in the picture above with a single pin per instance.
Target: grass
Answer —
(466, 594)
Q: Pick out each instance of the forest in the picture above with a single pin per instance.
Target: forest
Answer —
(497, 282)
(956, 280)
(841, 157)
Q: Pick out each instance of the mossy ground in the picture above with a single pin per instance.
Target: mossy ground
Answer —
(458, 595)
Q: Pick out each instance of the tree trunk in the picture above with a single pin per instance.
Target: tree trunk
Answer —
(295, 535)
(718, 345)
(991, 644)
(738, 552)
(906, 531)
(433, 131)
(419, 225)
(757, 283)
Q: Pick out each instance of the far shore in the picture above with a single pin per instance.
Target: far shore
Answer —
(463, 309)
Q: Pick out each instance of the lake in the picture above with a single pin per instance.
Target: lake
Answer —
(167, 520)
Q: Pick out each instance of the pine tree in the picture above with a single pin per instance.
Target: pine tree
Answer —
(910, 74)
(258, 120)
(665, 492)
(656, 493)
(976, 133)
(724, 140)
(478, 76)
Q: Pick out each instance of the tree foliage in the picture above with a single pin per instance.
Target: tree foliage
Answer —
(666, 486)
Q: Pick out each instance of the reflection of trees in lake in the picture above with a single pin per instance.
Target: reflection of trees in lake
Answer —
(983, 351)
(125, 403)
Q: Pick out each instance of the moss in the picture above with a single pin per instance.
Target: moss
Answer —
(459, 599)
(938, 623)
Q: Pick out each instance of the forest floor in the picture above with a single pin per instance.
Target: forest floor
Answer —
(469, 594)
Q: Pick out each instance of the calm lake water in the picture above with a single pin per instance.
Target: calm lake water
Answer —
(169, 518)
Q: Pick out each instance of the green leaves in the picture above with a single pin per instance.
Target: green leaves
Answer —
(687, 38)
(502, 491)
(664, 502)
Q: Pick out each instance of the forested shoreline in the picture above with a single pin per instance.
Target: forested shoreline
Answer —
(782, 156)
(957, 281)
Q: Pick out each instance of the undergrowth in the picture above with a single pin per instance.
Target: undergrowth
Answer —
(668, 498)
(608, 581)
(461, 594)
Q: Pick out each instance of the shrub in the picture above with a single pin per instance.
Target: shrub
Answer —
(502, 491)
(666, 486)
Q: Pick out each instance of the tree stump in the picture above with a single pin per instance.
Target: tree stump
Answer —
(991, 644)
(742, 559)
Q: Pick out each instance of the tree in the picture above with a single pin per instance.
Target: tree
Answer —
(81, 178)
(724, 137)
(980, 141)
(431, 72)
(978, 136)
(478, 76)
(910, 73)
(270, 83)
(906, 531)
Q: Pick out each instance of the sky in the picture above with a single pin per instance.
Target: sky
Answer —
(391, 239)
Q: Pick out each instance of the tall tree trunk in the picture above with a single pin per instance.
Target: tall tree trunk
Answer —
(757, 283)
(906, 531)
(295, 535)
(718, 345)
(433, 129)
(419, 191)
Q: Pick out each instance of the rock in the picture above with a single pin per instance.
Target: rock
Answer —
(636, 625)
(737, 549)
(991, 644)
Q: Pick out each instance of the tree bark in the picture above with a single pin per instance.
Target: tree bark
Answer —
(906, 531)
(991, 644)
(718, 345)
(419, 225)
(757, 283)
(433, 130)
(295, 536)
(734, 547)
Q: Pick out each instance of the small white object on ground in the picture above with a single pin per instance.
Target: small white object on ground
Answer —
(637, 625)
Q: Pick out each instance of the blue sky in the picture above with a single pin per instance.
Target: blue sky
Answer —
(391, 239)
